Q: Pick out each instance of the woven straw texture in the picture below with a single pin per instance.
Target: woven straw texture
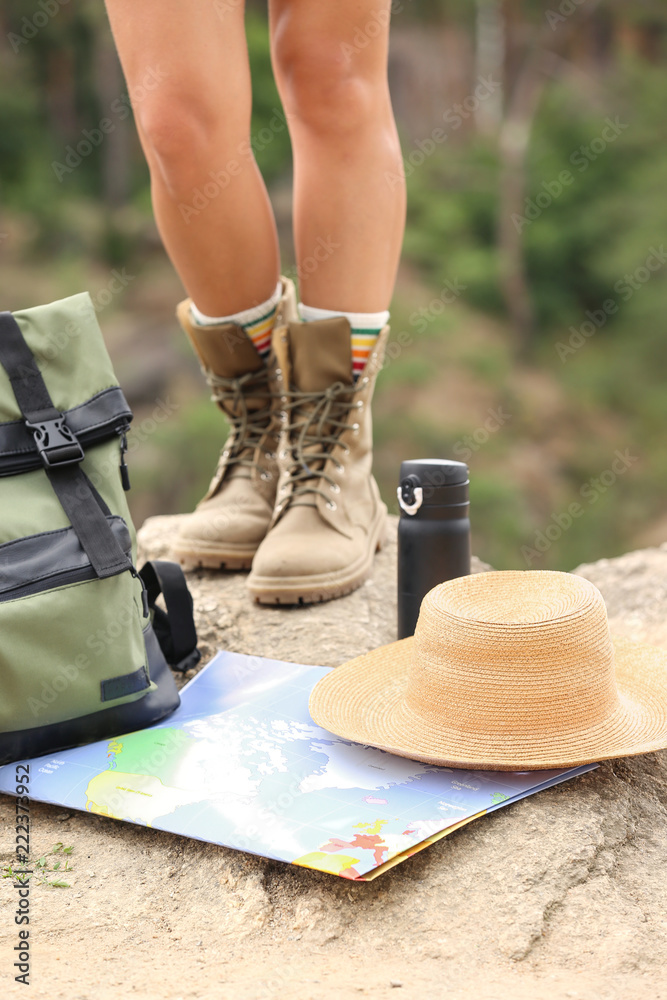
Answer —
(507, 671)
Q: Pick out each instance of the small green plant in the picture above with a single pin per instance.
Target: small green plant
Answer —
(45, 866)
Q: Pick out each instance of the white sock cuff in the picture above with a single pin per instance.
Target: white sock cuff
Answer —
(243, 318)
(358, 321)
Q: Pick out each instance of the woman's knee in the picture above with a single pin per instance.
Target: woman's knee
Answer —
(185, 133)
(326, 83)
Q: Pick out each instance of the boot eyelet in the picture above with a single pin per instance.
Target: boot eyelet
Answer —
(225, 454)
(334, 487)
(270, 455)
(266, 476)
(359, 404)
(355, 428)
(340, 468)
(332, 505)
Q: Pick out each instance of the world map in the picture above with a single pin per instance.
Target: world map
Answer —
(240, 763)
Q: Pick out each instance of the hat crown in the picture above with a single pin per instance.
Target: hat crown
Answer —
(513, 650)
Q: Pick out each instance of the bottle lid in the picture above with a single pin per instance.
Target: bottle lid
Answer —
(435, 471)
(432, 482)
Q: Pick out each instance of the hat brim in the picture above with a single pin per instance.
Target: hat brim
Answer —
(363, 701)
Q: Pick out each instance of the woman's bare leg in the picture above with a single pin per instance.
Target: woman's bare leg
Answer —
(186, 64)
(330, 63)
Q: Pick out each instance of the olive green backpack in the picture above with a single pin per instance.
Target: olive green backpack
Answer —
(83, 649)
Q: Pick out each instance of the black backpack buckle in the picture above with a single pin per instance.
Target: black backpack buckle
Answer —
(56, 443)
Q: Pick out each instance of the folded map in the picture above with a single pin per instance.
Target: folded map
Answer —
(240, 763)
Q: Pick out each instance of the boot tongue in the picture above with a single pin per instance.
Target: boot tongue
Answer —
(320, 353)
(226, 350)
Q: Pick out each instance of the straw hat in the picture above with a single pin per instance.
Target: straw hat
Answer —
(507, 671)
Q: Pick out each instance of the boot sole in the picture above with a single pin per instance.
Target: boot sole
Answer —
(328, 586)
(213, 557)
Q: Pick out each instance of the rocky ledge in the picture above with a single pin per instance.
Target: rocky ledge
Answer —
(561, 895)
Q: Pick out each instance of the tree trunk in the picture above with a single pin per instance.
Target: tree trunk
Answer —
(490, 62)
(514, 142)
(115, 150)
(541, 60)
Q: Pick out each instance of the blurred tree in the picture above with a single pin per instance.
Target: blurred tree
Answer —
(539, 48)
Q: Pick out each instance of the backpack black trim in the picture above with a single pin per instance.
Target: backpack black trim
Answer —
(49, 559)
(100, 417)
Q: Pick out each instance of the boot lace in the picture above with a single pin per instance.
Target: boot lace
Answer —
(315, 423)
(248, 427)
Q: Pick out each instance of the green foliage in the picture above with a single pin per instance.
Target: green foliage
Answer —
(604, 222)
(451, 227)
(269, 135)
(50, 93)
(196, 437)
(588, 246)
(21, 135)
(595, 226)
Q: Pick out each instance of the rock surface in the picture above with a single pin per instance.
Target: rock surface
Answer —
(325, 634)
(561, 895)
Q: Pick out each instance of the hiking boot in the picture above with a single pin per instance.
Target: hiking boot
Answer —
(329, 519)
(232, 519)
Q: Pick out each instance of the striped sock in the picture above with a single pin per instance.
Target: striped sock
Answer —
(257, 321)
(365, 329)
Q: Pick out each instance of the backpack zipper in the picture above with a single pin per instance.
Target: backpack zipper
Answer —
(54, 559)
(124, 471)
(60, 579)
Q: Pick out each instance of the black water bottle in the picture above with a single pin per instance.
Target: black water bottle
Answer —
(433, 532)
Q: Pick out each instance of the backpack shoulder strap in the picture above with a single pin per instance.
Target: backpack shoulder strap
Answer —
(174, 629)
(61, 453)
